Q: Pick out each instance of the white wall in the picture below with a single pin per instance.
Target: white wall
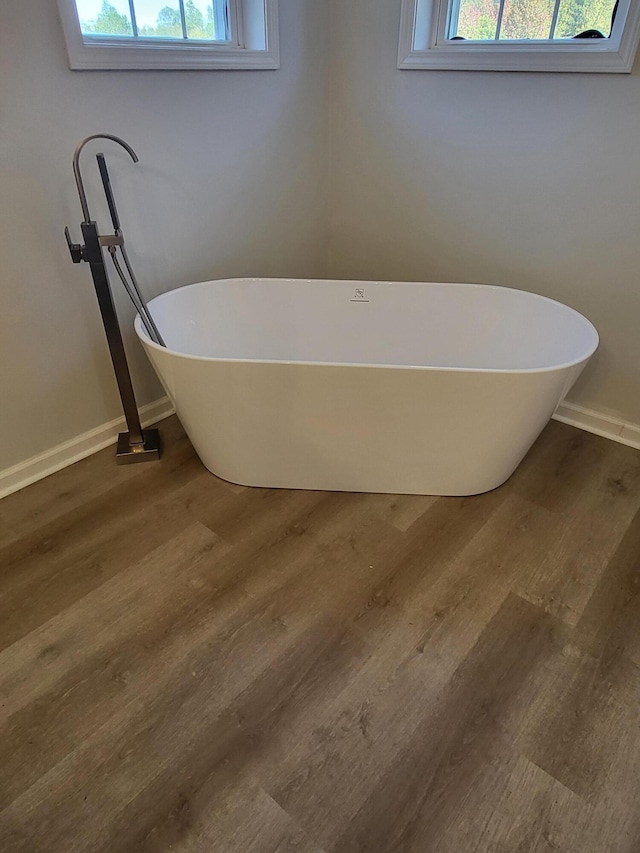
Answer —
(231, 182)
(527, 180)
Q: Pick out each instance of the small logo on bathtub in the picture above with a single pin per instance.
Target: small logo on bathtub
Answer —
(359, 295)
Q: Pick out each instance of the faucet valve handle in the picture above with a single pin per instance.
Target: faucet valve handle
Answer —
(75, 249)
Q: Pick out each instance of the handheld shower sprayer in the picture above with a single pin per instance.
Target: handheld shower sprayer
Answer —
(137, 444)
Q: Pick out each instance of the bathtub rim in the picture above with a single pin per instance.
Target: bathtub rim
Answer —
(146, 340)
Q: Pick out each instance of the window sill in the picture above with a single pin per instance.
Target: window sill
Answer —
(475, 58)
(110, 56)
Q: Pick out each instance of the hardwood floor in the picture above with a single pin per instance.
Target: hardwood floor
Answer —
(190, 665)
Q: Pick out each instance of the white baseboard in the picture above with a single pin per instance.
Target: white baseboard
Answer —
(27, 472)
(599, 424)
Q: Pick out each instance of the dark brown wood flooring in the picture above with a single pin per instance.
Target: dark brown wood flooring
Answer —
(190, 665)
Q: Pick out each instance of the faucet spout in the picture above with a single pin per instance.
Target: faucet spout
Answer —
(78, 174)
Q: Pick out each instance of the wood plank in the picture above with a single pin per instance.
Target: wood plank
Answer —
(530, 814)
(574, 728)
(24, 512)
(424, 786)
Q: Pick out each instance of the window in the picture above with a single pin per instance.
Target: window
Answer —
(170, 34)
(519, 35)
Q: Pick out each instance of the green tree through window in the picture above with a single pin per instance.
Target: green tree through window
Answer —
(196, 26)
(168, 23)
(111, 22)
(581, 15)
(531, 19)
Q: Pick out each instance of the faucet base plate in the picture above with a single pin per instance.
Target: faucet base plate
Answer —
(149, 451)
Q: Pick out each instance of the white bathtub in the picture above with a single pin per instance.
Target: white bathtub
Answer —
(365, 386)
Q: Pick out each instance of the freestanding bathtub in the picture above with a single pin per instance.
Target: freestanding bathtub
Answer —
(365, 386)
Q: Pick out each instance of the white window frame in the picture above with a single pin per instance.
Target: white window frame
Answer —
(255, 45)
(423, 45)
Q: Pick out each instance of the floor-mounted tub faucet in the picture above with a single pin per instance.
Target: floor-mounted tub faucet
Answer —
(136, 445)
